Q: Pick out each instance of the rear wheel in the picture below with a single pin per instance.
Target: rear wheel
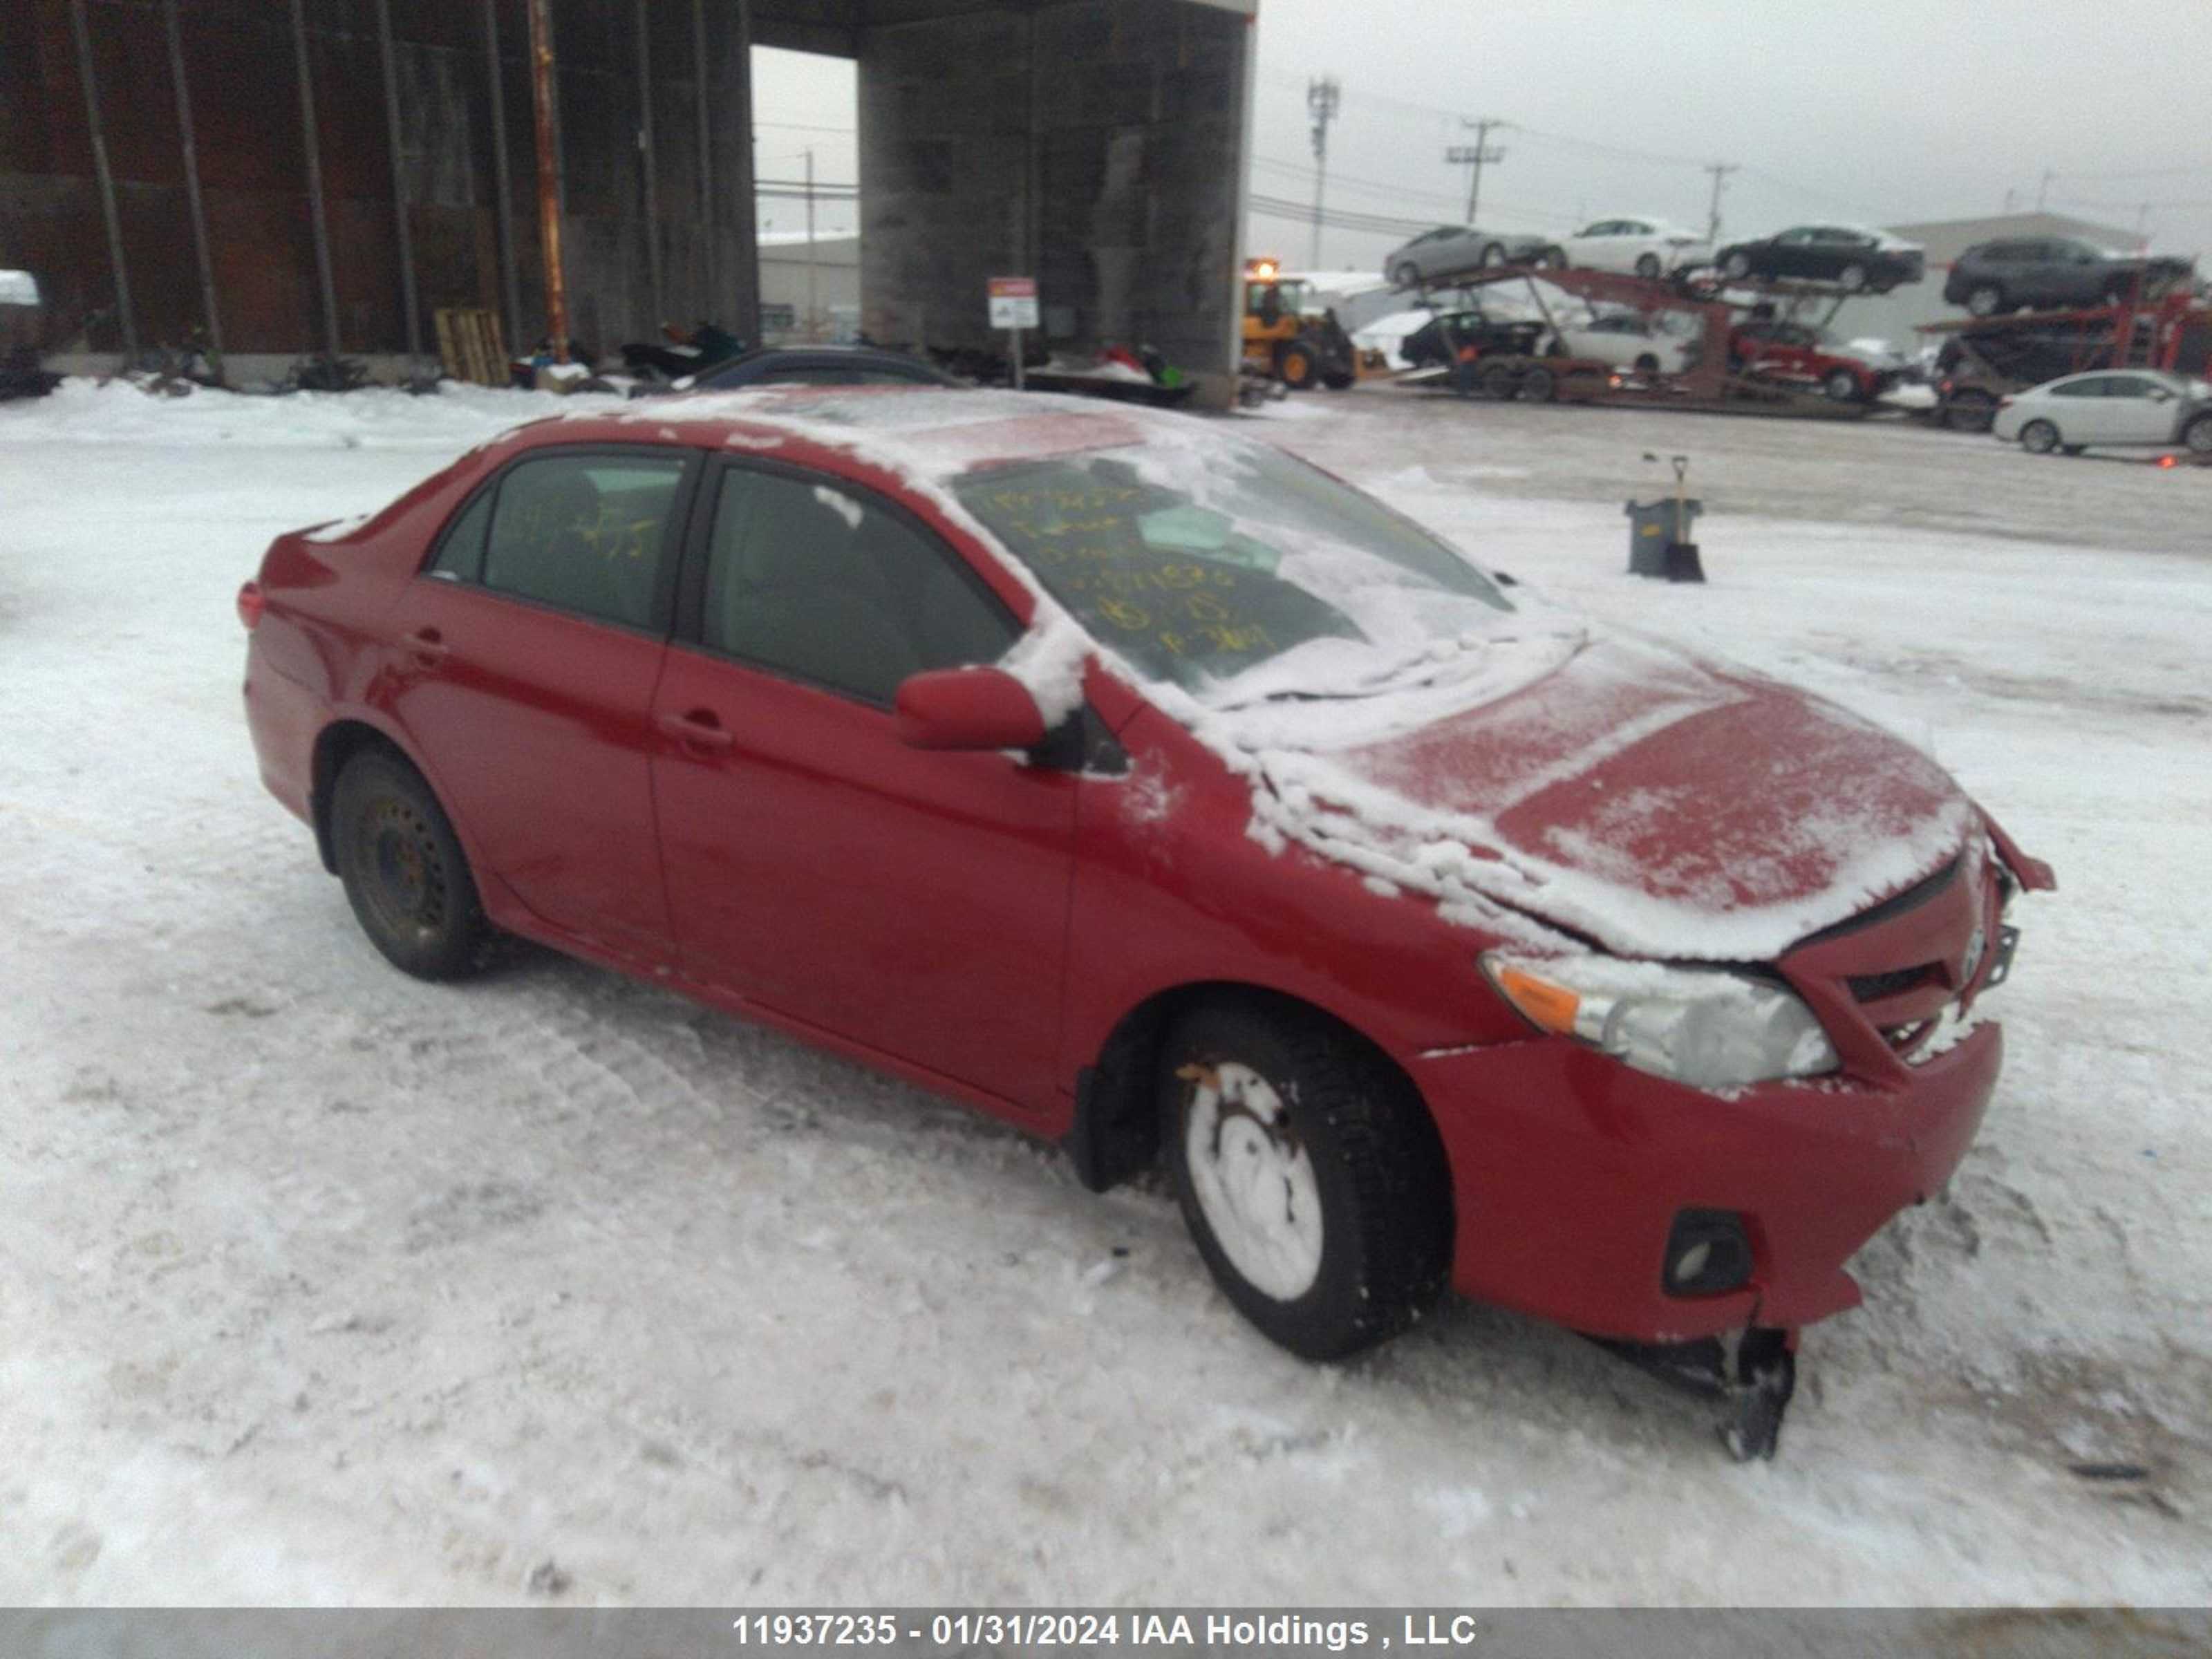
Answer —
(1851, 278)
(1496, 379)
(2197, 434)
(1985, 300)
(2039, 437)
(1553, 258)
(403, 868)
(1969, 411)
(1647, 363)
(1737, 266)
(1493, 253)
(1408, 275)
(1308, 1173)
(1537, 386)
(1841, 385)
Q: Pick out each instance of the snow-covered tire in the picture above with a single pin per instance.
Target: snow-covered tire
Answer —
(403, 868)
(2038, 438)
(1852, 279)
(1737, 267)
(1985, 300)
(1307, 1172)
(1493, 256)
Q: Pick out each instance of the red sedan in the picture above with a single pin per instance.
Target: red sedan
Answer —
(1162, 795)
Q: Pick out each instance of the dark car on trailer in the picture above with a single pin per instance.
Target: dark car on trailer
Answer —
(1453, 337)
(2038, 273)
(1854, 257)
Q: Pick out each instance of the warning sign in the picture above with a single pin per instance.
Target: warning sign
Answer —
(1013, 301)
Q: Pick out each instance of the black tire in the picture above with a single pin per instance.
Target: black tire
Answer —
(1496, 379)
(1841, 385)
(1647, 266)
(1297, 366)
(1384, 1198)
(1493, 255)
(1337, 379)
(1647, 363)
(1970, 410)
(1852, 279)
(2039, 438)
(1553, 258)
(2197, 436)
(1538, 386)
(1408, 275)
(1985, 300)
(1736, 266)
(403, 868)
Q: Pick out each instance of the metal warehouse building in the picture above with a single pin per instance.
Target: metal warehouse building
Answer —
(320, 176)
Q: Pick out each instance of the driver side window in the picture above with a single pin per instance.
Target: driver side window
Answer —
(813, 579)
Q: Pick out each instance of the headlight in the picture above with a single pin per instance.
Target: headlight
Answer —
(1707, 1027)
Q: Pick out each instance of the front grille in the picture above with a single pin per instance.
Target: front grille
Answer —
(1873, 987)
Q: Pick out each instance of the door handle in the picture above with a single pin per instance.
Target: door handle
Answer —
(698, 727)
(427, 645)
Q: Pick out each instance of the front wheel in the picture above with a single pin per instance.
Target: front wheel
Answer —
(1851, 278)
(403, 868)
(2197, 436)
(1493, 255)
(1308, 1172)
(1538, 386)
(1553, 258)
(1647, 266)
(1737, 266)
(1408, 275)
(1841, 385)
(2039, 437)
(1297, 368)
(1986, 300)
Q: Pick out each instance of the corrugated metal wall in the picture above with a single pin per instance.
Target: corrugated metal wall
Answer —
(241, 72)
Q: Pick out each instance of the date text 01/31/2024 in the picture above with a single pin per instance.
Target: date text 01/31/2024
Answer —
(1270, 1633)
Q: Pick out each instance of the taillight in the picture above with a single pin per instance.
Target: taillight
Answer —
(252, 602)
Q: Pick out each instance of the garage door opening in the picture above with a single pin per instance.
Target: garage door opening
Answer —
(805, 157)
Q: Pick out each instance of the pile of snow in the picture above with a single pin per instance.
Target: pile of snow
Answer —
(1387, 333)
(18, 288)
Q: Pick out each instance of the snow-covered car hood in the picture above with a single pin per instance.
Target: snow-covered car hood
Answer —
(1662, 806)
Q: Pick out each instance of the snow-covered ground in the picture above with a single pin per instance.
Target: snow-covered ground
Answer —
(320, 1285)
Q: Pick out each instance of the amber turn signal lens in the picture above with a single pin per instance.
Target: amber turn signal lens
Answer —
(1552, 1006)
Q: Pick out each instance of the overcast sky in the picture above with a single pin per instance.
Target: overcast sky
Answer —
(1884, 110)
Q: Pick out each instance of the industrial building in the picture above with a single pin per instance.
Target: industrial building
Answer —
(319, 177)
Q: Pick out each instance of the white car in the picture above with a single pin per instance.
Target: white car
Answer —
(1625, 339)
(2146, 406)
(1637, 247)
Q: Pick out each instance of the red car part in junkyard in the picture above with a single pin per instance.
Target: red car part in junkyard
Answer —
(1166, 797)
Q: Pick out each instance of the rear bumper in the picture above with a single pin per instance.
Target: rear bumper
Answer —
(283, 718)
(1568, 1170)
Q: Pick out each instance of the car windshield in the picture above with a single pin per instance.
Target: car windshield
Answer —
(1235, 571)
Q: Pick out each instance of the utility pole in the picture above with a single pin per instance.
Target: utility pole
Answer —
(548, 176)
(1323, 96)
(1474, 156)
(1720, 170)
(813, 327)
(2042, 188)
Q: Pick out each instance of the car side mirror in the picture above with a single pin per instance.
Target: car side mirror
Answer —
(970, 708)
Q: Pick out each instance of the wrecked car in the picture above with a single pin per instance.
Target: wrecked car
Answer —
(1158, 793)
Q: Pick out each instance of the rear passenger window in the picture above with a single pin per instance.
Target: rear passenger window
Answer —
(817, 581)
(586, 533)
(460, 554)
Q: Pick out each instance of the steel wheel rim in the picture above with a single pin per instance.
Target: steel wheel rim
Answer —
(404, 872)
(1253, 1179)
